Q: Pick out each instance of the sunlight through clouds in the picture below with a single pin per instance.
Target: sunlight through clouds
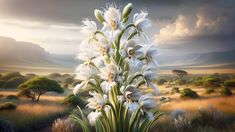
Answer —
(45, 34)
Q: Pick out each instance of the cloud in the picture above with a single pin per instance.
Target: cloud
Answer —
(54, 38)
(206, 22)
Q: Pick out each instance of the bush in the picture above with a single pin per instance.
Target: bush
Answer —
(187, 92)
(226, 91)
(230, 83)
(65, 125)
(196, 81)
(180, 82)
(161, 81)
(6, 126)
(14, 82)
(210, 81)
(210, 90)
(73, 100)
(12, 97)
(8, 106)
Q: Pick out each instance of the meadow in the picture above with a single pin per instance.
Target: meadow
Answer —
(207, 104)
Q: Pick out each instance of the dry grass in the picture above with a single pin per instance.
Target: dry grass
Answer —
(34, 115)
(224, 104)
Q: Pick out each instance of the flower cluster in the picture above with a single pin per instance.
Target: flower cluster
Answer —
(118, 60)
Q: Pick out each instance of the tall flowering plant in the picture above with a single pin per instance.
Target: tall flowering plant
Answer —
(118, 60)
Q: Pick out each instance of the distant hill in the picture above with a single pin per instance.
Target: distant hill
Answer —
(223, 58)
(29, 55)
(17, 53)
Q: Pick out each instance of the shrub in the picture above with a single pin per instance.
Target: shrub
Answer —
(161, 81)
(210, 81)
(14, 82)
(210, 90)
(8, 106)
(10, 75)
(180, 82)
(230, 83)
(12, 97)
(2, 83)
(175, 90)
(6, 126)
(226, 91)
(38, 86)
(73, 100)
(196, 81)
(65, 125)
(187, 92)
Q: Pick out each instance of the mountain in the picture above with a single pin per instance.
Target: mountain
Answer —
(25, 54)
(223, 59)
(31, 56)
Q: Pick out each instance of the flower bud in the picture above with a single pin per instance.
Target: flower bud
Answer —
(125, 19)
(126, 11)
(99, 16)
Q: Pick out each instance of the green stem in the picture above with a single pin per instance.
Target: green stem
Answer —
(132, 35)
(101, 33)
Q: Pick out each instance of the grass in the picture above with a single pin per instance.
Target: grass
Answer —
(30, 116)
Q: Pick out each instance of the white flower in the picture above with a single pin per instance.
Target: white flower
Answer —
(150, 54)
(105, 45)
(99, 61)
(134, 65)
(154, 86)
(110, 72)
(131, 49)
(147, 102)
(85, 71)
(106, 86)
(112, 17)
(112, 35)
(132, 106)
(78, 87)
(149, 72)
(89, 27)
(140, 20)
(92, 117)
(97, 102)
(88, 49)
(131, 93)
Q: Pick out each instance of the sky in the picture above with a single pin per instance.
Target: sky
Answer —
(178, 26)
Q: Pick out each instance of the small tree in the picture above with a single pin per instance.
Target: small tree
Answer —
(38, 86)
